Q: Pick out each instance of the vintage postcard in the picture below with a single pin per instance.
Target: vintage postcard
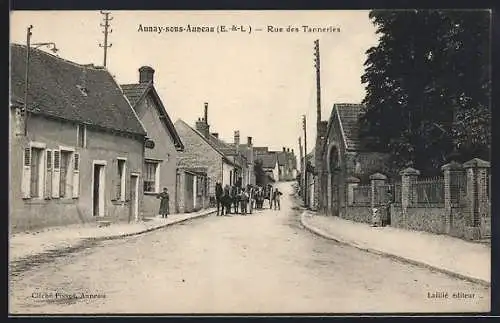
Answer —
(250, 162)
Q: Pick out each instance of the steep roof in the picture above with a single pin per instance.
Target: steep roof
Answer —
(136, 93)
(348, 115)
(268, 160)
(210, 141)
(66, 90)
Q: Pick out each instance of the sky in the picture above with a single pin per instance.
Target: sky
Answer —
(259, 83)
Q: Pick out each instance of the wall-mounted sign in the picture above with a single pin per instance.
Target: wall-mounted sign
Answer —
(149, 144)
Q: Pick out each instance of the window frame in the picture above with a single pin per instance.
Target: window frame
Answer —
(123, 178)
(69, 171)
(156, 176)
(42, 166)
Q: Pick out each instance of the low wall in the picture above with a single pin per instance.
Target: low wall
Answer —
(429, 219)
(358, 214)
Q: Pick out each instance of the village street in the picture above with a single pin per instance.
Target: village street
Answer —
(237, 264)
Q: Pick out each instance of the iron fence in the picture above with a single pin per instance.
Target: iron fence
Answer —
(362, 195)
(398, 193)
(428, 191)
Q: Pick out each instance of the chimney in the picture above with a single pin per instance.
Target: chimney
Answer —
(284, 149)
(237, 138)
(215, 134)
(146, 74)
(249, 141)
(292, 151)
(206, 113)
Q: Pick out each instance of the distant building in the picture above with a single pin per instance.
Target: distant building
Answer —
(204, 150)
(81, 158)
(269, 164)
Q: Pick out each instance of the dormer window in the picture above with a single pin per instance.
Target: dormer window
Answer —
(83, 89)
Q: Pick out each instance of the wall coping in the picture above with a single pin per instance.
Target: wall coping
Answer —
(352, 179)
(378, 176)
(453, 165)
(477, 163)
(409, 171)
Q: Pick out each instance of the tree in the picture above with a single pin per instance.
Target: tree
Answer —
(260, 174)
(428, 87)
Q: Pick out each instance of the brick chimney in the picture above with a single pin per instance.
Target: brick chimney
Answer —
(206, 112)
(284, 149)
(202, 125)
(237, 140)
(215, 134)
(146, 74)
(249, 141)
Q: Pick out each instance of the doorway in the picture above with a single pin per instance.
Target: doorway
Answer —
(134, 196)
(98, 190)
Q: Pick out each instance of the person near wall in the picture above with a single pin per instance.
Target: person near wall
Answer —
(250, 198)
(244, 201)
(226, 200)
(389, 201)
(164, 203)
(219, 192)
(276, 199)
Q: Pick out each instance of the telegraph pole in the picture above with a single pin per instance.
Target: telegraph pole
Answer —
(106, 31)
(26, 82)
(304, 126)
(301, 168)
(319, 186)
(318, 81)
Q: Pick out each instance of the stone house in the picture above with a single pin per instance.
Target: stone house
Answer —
(345, 155)
(160, 157)
(269, 164)
(202, 149)
(287, 166)
(80, 158)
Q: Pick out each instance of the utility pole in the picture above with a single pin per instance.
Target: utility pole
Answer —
(319, 186)
(26, 82)
(301, 168)
(29, 45)
(304, 126)
(106, 31)
(317, 65)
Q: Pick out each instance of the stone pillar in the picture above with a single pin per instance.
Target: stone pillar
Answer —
(408, 191)
(376, 179)
(352, 182)
(452, 171)
(478, 213)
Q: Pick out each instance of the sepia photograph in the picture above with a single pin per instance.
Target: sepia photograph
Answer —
(250, 162)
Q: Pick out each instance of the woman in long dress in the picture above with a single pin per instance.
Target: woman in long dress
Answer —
(164, 203)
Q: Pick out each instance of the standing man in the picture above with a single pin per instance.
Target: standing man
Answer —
(218, 197)
(276, 199)
(164, 203)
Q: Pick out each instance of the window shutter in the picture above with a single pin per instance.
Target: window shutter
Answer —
(114, 184)
(125, 183)
(56, 173)
(128, 193)
(48, 175)
(157, 178)
(26, 176)
(76, 175)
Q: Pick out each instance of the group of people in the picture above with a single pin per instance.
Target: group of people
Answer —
(233, 199)
(236, 199)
